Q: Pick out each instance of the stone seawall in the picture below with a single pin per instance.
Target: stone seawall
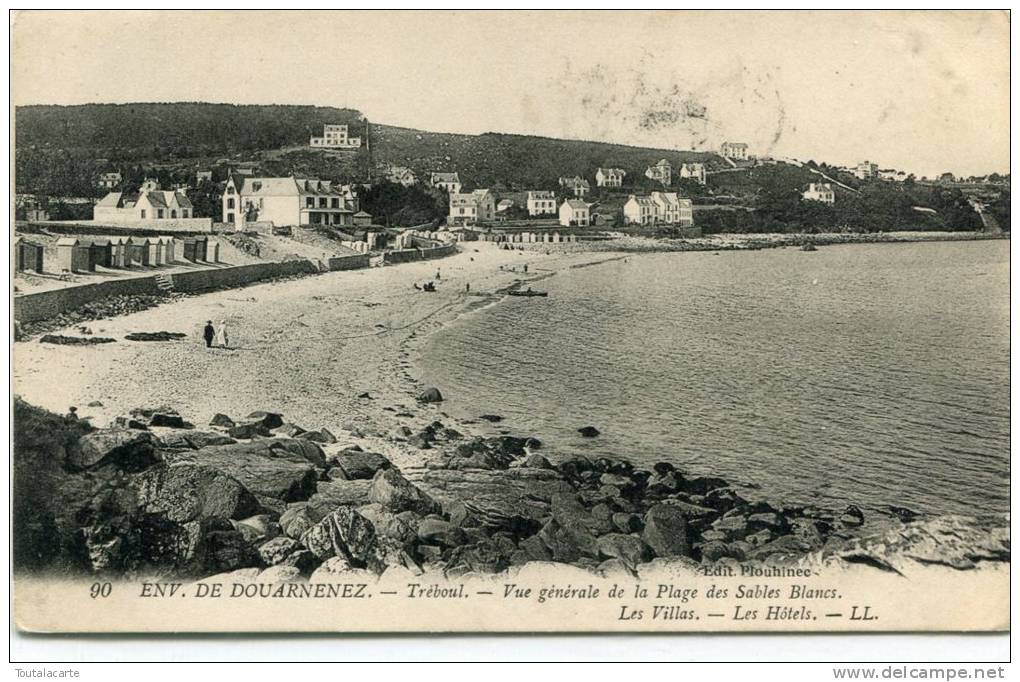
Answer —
(409, 255)
(348, 262)
(47, 304)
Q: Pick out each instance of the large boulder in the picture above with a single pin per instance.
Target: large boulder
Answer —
(277, 549)
(249, 430)
(332, 494)
(430, 395)
(628, 548)
(271, 420)
(567, 544)
(323, 436)
(666, 531)
(276, 468)
(438, 532)
(401, 527)
(296, 520)
(359, 465)
(344, 533)
(186, 492)
(396, 494)
(128, 449)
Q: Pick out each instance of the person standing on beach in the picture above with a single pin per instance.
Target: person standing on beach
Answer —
(438, 275)
(221, 335)
(467, 288)
(209, 333)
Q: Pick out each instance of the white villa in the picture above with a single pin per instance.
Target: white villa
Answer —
(148, 205)
(541, 203)
(574, 213)
(694, 171)
(110, 180)
(471, 207)
(734, 150)
(660, 208)
(576, 184)
(335, 137)
(661, 172)
(866, 170)
(287, 201)
(609, 177)
(401, 176)
(820, 191)
(448, 181)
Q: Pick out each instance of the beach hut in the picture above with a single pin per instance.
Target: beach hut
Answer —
(169, 249)
(100, 253)
(73, 255)
(28, 256)
(155, 249)
(189, 249)
(118, 253)
(201, 248)
(212, 251)
(138, 250)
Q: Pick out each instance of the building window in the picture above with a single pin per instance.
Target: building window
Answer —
(309, 202)
(173, 213)
(159, 213)
(143, 214)
(230, 217)
(336, 203)
(230, 203)
(230, 189)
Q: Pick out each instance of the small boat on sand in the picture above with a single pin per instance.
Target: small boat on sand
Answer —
(527, 292)
(809, 247)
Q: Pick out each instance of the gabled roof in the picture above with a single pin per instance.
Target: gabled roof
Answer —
(641, 200)
(663, 163)
(541, 194)
(362, 214)
(111, 200)
(444, 177)
(576, 204)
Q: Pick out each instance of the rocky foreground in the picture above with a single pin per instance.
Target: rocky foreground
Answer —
(156, 496)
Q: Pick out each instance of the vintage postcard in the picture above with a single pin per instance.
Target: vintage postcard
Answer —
(510, 321)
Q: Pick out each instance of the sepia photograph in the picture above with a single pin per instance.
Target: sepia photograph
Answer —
(510, 321)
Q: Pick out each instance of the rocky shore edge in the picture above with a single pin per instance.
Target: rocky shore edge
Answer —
(155, 496)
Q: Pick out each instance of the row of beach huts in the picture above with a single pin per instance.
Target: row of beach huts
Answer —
(79, 254)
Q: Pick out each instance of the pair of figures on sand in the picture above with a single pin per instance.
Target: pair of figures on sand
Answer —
(216, 336)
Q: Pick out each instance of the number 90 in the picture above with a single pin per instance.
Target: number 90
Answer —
(100, 590)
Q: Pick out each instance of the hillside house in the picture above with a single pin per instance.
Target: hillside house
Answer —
(335, 137)
(866, 170)
(639, 210)
(576, 184)
(504, 205)
(693, 171)
(471, 208)
(147, 205)
(736, 151)
(541, 203)
(574, 213)
(110, 180)
(661, 172)
(820, 191)
(401, 176)
(203, 176)
(287, 201)
(446, 181)
(670, 209)
(609, 177)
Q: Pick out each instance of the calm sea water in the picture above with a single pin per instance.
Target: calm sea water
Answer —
(872, 374)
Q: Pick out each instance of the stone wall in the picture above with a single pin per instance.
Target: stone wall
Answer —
(46, 304)
(158, 224)
(408, 255)
(349, 262)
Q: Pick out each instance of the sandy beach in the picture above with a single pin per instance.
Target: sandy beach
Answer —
(306, 347)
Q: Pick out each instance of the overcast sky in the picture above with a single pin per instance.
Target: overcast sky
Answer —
(922, 92)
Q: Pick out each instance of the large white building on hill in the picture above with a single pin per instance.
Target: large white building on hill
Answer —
(335, 137)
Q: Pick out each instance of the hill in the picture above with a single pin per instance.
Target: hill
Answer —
(61, 149)
(515, 162)
(143, 131)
